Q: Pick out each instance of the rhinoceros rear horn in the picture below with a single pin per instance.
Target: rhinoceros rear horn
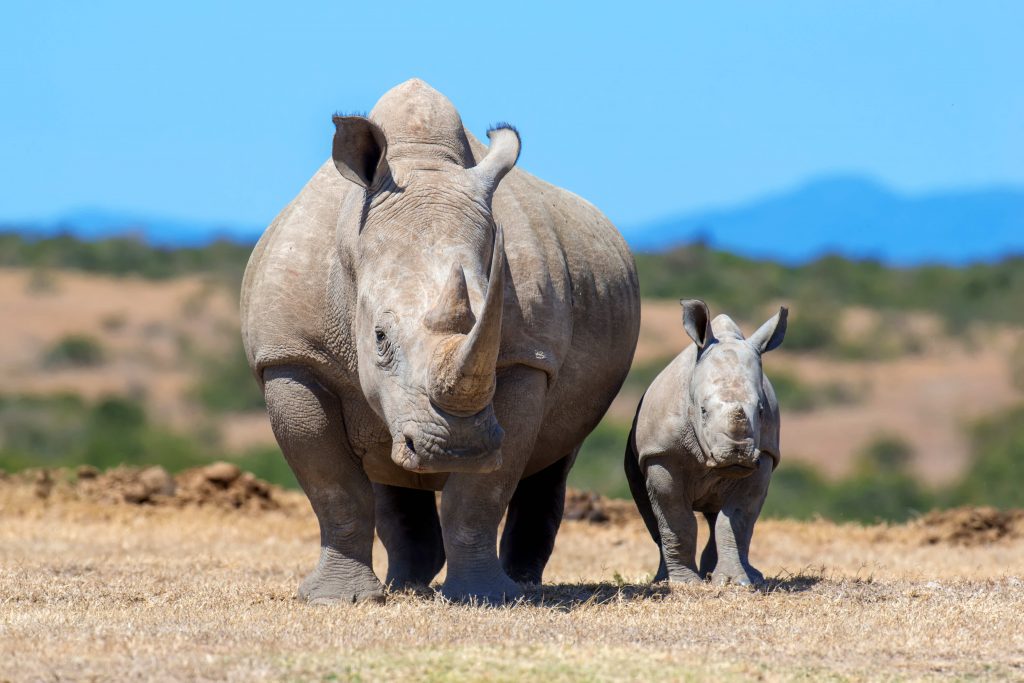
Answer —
(359, 149)
(500, 157)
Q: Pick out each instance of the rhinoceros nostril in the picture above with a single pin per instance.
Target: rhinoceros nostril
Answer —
(410, 445)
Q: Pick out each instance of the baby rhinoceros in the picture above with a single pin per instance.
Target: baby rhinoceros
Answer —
(706, 439)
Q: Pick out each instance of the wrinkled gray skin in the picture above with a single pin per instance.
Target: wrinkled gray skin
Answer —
(425, 317)
(706, 439)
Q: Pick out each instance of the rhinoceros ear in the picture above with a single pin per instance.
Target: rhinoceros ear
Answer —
(697, 321)
(500, 158)
(359, 148)
(771, 334)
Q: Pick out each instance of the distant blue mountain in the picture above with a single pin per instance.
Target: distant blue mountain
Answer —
(848, 215)
(92, 224)
(855, 217)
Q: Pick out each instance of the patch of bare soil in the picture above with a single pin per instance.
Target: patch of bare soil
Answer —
(220, 485)
(968, 526)
(588, 506)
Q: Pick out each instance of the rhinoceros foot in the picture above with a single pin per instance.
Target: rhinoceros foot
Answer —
(494, 589)
(748, 577)
(682, 575)
(326, 587)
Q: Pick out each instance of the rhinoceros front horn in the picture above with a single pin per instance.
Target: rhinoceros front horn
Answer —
(462, 371)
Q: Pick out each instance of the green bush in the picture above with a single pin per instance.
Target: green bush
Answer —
(996, 476)
(796, 491)
(797, 396)
(65, 431)
(642, 374)
(76, 351)
(227, 384)
(748, 288)
(267, 462)
(599, 464)
(880, 489)
(812, 329)
(124, 256)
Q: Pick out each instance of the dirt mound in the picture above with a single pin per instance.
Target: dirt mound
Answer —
(969, 526)
(587, 506)
(221, 485)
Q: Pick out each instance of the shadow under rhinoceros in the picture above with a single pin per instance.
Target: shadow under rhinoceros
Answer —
(568, 596)
(791, 583)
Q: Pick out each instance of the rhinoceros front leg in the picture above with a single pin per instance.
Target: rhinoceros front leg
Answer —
(309, 427)
(735, 527)
(472, 504)
(677, 526)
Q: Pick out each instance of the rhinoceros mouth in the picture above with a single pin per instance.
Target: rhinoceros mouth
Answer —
(735, 471)
(426, 456)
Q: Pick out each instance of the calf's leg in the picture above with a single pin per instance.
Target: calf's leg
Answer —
(677, 527)
(735, 527)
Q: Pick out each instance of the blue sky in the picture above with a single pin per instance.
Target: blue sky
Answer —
(221, 111)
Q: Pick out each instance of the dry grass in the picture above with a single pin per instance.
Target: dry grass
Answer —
(116, 592)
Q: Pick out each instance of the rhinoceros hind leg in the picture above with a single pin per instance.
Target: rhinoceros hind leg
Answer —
(534, 515)
(410, 530)
(709, 557)
(309, 427)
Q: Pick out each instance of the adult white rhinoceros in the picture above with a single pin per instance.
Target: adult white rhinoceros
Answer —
(420, 324)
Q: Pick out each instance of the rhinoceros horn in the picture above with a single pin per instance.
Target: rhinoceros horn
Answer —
(462, 371)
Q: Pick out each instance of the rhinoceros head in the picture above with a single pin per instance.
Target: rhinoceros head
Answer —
(430, 274)
(727, 399)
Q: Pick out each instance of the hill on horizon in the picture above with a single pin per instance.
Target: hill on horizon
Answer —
(848, 215)
(857, 218)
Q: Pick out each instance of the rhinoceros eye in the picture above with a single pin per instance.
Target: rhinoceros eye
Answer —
(703, 414)
(385, 351)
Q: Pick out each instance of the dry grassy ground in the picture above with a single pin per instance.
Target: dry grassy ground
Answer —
(92, 591)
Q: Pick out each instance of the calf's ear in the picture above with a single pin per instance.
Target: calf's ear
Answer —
(358, 151)
(697, 321)
(770, 335)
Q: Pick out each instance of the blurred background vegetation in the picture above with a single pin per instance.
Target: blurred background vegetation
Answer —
(64, 429)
